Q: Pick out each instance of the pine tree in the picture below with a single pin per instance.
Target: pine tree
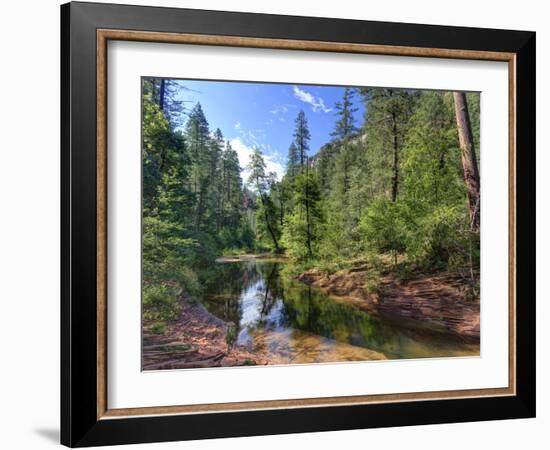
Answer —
(218, 178)
(345, 124)
(202, 160)
(165, 93)
(388, 112)
(293, 163)
(301, 138)
(161, 148)
(232, 186)
(429, 160)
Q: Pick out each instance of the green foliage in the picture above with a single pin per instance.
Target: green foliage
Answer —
(334, 243)
(268, 232)
(268, 222)
(331, 265)
(294, 237)
(237, 241)
(301, 138)
(324, 165)
(247, 237)
(387, 117)
(158, 328)
(231, 335)
(390, 192)
(162, 147)
(164, 93)
(437, 239)
(432, 172)
(302, 228)
(397, 188)
(372, 285)
(293, 162)
(193, 199)
(345, 125)
(160, 302)
(165, 251)
(473, 99)
(385, 226)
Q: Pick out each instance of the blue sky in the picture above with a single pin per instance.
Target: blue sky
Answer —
(262, 115)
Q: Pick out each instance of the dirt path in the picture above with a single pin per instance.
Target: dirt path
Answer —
(435, 300)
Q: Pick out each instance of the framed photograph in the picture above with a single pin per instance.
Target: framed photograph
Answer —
(277, 224)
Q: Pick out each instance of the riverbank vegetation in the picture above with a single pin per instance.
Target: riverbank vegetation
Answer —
(194, 204)
(398, 192)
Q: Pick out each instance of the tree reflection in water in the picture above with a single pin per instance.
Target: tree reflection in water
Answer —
(290, 322)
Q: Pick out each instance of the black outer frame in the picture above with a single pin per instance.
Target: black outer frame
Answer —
(79, 423)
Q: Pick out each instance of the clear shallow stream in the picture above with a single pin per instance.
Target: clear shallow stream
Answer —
(287, 321)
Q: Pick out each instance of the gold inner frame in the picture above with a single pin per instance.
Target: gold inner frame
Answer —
(104, 35)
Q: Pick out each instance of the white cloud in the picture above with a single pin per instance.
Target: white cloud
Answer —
(252, 138)
(244, 152)
(317, 103)
(282, 109)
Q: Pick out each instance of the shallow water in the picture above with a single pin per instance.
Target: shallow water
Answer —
(290, 322)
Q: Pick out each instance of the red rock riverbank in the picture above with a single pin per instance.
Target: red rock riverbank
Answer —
(435, 300)
(196, 339)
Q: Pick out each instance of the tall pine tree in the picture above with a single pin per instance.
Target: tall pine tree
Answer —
(345, 123)
(301, 138)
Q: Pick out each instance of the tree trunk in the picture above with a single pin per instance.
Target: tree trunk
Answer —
(395, 176)
(308, 224)
(469, 160)
(345, 154)
(271, 232)
(281, 207)
(266, 217)
(162, 94)
(200, 207)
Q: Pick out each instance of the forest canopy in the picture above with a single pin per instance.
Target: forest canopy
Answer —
(398, 189)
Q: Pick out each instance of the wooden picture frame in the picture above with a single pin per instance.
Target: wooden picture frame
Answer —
(86, 418)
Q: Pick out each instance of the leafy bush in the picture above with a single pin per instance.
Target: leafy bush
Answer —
(158, 328)
(236, 241)
(386, 227)
(247, 237)
(441, 238)
(189, 280)
(294, 237)
(433, 238)
(160, 302)
(331, 265)
(231, 335)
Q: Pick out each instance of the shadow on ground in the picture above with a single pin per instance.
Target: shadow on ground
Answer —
(50, 434)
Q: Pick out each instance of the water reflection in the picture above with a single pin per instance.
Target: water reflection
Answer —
(289, 322)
